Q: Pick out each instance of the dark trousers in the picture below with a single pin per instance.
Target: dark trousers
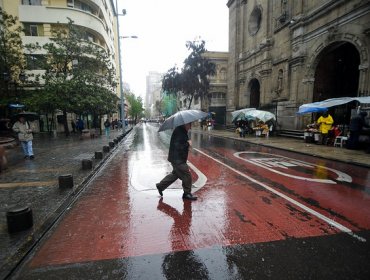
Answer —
(353, 140)
(180, 171)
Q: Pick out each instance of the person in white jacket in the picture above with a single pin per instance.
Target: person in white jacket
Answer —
(24, 130)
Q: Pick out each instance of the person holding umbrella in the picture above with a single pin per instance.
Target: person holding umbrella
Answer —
(178, 151)
(24, 130)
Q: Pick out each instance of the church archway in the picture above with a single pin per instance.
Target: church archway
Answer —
(254, 89)
(337, 72)
(337, 75)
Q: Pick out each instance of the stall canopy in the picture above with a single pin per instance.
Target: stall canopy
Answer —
(252, 114)
(322, 106)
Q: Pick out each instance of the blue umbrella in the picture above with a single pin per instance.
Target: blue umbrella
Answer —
(16, 105)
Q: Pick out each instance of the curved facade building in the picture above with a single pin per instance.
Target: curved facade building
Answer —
(37, 17)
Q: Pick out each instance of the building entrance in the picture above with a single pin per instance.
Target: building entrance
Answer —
(254, 89)
(337, 75)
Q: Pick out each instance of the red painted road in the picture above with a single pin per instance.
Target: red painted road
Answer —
(121, 215)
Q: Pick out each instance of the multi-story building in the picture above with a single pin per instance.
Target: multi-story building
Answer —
(153, 92)
(98, 19)
(286, 53)
(215, 102)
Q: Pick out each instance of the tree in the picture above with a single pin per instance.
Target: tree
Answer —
(168, 104)
(79, 74)
(192, 81)
(12, 59)
(136, 106)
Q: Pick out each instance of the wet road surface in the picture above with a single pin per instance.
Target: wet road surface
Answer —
(261, 213)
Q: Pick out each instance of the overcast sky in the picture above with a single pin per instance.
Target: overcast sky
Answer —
(163, 27)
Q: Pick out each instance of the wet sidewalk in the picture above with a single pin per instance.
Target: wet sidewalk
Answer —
(357, 157)
(35, 183)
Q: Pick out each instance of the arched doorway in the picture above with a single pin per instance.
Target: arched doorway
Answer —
(254, 89)
(337, 75)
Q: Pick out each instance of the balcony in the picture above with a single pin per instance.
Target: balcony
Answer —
(47, 14)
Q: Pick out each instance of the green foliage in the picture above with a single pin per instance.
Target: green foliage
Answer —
(192, 80)
(168, 105)
(79, 73)
(12, 59)
(136, 106)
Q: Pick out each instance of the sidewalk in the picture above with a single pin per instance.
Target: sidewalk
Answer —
(356, 157)
(34, 184)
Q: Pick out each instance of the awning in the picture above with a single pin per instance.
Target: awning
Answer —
(322, 106)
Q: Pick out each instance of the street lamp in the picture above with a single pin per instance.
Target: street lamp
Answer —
(120, 67)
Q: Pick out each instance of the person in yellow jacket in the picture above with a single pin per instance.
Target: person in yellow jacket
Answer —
(325, 123)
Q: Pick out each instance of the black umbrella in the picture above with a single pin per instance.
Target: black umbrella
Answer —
(29, 116)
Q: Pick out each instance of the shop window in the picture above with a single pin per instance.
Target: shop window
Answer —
(31, 2)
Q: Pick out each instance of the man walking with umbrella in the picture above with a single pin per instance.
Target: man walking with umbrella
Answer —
(179, 149)
(177, 156)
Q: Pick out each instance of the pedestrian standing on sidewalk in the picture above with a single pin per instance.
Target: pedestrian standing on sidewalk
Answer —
(356, 126)
(325, 123)
(24, 130)
(177, 156)
(107, 125)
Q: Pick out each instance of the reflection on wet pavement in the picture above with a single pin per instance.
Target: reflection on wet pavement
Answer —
(244, 212)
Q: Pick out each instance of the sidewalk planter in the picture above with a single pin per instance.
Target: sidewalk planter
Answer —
(106, 149)
(65, 181)
(19, 219)
(86, 164)
(98, 155)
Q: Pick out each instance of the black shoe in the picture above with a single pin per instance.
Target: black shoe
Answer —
(26, 157)
(159, 190)
(32, 157)
(189, 196)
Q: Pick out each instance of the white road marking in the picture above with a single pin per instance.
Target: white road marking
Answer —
(135, 179)
(298, 204)
(276, 161)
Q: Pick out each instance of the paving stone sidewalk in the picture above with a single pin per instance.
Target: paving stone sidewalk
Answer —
(34, 184)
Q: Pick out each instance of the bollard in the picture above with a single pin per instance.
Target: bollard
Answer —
(86, 164)
(111, 144)
(106, 149)
(115, 141)
(98, 155)
(65, 181)
(19, 219)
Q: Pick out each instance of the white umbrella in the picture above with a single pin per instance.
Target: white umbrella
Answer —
(261, 115)
(181, 118)
(236, 113)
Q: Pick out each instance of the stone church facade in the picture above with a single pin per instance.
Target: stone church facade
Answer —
(285, 53)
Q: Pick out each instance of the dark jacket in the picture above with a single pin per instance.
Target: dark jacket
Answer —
(357, 123)
(179, 146)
